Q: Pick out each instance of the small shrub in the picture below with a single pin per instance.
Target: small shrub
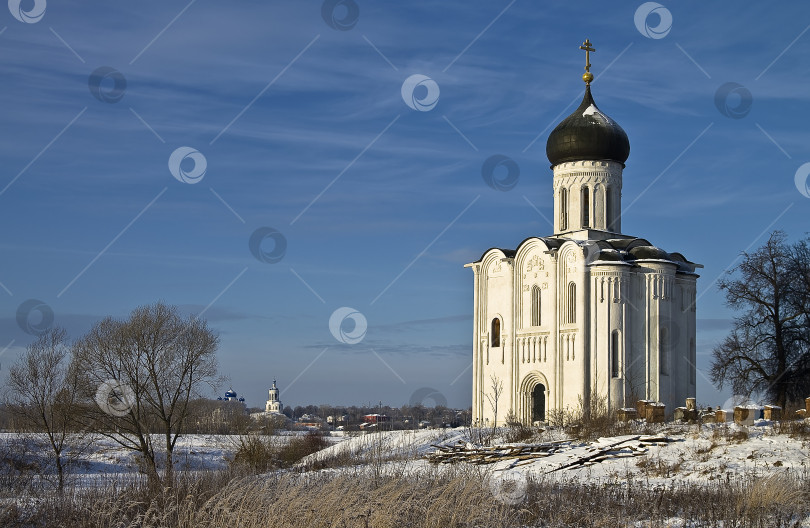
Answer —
(597, 419)
(799, 429)
(739, 436)
(19, 467)
(721, 432)
(558, 417)
(516, 431)
(301, 446)
(258, 453)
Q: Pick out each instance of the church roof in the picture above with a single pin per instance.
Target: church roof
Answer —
(551, 242)
(587, 134)
(626, 251)
(632, 251)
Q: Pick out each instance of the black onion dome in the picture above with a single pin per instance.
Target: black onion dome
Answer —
(587, 134)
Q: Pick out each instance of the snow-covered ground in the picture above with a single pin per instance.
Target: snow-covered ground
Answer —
(701, 455)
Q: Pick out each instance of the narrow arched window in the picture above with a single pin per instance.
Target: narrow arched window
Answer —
(599, 207)
(572, 303)
(692, 361)
(496, 332)
(563, 209)
(535, 305)
(614, 354)
(609, 208)
(663, 351)
(586, 207)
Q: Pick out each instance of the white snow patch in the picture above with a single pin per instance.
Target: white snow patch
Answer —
(592, 110)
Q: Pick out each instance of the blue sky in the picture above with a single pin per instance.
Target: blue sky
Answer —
(301, 122)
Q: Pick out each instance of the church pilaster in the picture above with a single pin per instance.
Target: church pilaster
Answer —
(477, 345)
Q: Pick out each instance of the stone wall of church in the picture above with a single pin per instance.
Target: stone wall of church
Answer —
(537, 360)
(616, 371)
(538, 299)
(573, 290)
(671, 335)
(546, 318)
(652, 354)
(493, 336)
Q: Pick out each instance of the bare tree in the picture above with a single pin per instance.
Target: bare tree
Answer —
(42, 392)
(143, 372)
(800, 295)
(768, 349)
(497, 389)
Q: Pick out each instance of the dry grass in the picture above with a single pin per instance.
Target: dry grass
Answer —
(432, 498)
(775, 492)
(656, 467)
(739, 436)
(727, 433)
(354, 499)
(702, 452)
(799, 429)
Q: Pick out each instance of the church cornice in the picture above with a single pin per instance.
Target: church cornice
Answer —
(605, 165)
(532, 333)
(591, 178)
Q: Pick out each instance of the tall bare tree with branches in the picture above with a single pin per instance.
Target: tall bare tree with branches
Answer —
(143, 372)
(42, 392)
(768, 349)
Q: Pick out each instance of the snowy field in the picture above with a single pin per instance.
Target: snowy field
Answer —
(97, 460)
(700, 455)
(706, 454)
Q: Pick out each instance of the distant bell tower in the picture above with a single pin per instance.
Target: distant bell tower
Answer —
(587, 151)
(273, 404)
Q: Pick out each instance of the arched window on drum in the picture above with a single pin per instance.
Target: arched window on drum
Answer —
(586, 207)
(563, 209)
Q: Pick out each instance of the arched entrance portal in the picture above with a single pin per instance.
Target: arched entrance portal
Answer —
(534, 398)
(539, 403)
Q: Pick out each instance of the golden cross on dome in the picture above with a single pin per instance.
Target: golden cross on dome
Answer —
(588, 47)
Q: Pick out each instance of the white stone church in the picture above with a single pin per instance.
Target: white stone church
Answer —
(273, 404)
(587, 310)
